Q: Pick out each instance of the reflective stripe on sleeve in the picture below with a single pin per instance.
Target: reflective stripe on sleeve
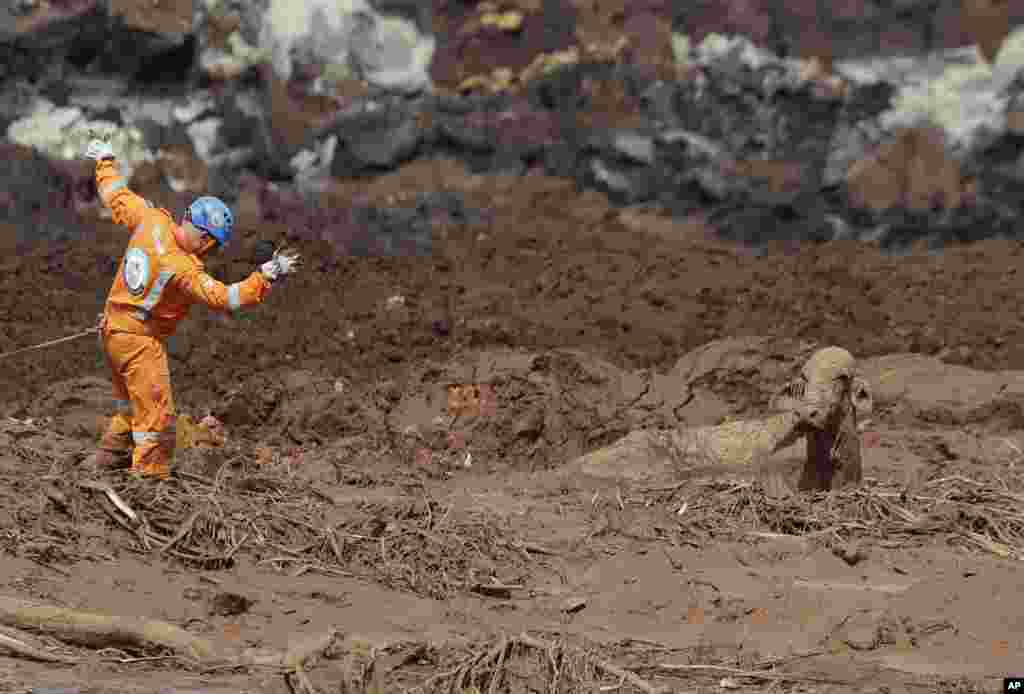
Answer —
(156, 239)
(234, 297)
(144, 436)
(122, 404)
(156, 290)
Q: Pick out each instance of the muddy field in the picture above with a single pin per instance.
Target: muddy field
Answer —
(452, 542)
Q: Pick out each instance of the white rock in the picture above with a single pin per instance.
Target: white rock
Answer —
(204, 136)
(303, 160)
(63, 133)
(681, 48)
(612, 179)
(315, 23)
(313, 168)
(45, 127)
(214, 61)
(248, 104)
(956, 90)
(156, 110)
(394, 55)
(386, 51)
(195, 107)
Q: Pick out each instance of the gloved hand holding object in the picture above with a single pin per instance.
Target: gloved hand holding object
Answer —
(284, 262)
(98, 149)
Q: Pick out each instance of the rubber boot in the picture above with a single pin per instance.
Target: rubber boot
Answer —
(153, 459)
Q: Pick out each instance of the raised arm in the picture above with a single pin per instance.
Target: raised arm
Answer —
(127, 207)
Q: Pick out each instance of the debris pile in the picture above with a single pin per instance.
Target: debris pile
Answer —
(701, 124)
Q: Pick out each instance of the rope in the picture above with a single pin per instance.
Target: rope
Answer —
(90, 331)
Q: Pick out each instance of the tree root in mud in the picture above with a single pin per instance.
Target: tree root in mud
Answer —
(418, 546)
(975, 515)
(105, 631)
(567, 670)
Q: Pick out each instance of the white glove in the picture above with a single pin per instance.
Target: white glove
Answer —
(284, 262)
(98, 149)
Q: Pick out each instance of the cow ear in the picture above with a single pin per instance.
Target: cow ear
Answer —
(860, 393)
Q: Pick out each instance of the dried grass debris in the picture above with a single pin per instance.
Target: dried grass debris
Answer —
(976, 515)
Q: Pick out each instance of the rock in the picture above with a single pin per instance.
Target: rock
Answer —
(313, 167)
(241, 113)
(388, 51)
(381, 137)
(851, 143)
(47, 23)
(956, 90)
(763, 114)
(392, 53)
(658, 103)
(696, 145)
(116, 37)
(205, 136)
(606, 177)
(635, 147)
(195, 105)
(62, 133)
(499, 134)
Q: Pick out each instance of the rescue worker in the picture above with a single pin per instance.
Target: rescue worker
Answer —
(159, 278)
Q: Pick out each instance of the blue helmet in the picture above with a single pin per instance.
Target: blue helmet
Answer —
(211, 215)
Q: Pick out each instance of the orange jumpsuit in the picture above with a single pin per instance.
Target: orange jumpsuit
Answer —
(156, 284)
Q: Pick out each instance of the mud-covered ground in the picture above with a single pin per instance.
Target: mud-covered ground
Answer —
(349, 494)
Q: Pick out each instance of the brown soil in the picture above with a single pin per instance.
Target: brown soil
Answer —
(336, 398)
